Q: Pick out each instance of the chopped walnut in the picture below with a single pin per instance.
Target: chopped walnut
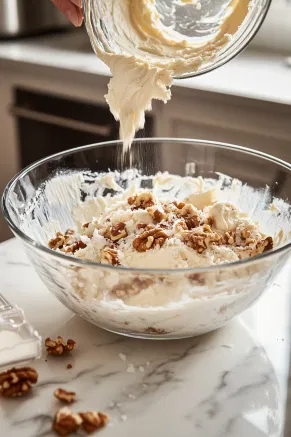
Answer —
(65, 243)
(17, 382)
(131, 288)
(74, 247)
(88, 229)
(66, 422)
(230, 237)
(196, 278)
(117, 232)
(179, 205)
(180, 226)
(246, 237)
(143, 200)
(61, 239)
(141, 225)
(150, 239)
(189, 213)
(264, 245)
(57, 242)
(58, 346)
(188, 210)
(192, 222)
(65, 396)
(201, 241)
(157, 331)
(210, 221)
(245, 233)
(110, 255)
(268, 243)
(93, 420)
(157, 214)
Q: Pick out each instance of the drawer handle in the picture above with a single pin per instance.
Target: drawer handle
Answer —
(83, 126)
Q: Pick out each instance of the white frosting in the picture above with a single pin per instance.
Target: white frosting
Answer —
(144, 55)
(175, 303)
(174, 253)
(226, 216)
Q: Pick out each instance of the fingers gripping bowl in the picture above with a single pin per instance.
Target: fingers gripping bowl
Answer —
(51, 196)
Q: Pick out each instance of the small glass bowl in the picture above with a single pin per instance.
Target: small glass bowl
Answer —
(19, 341)
(194, 24)
(33, 209)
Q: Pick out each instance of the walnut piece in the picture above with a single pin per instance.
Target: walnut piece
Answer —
(143, 200)
(61, 239)
(157, 214)
(57, 242)
(93, 420)
(188, 210)
(209, 221)
(72, 248)
(201, 240)
(189, 213)
(65, 242)
(17, 382)
(180, 226)
(141, 225)
(58, 346)
(192, 222)
(246, 237)
(261, 245)
(117, 232)
(66, 422)
(131, 288)
(245, 233)
(110, 255)
(264, 245)
(268, 243)
(157, 331)
(230, 237)
(196, 278)
(179, 205)
(65, 396)
(150, 239)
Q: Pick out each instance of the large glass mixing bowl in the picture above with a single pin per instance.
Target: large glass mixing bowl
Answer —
(41, 198)
(195, 21)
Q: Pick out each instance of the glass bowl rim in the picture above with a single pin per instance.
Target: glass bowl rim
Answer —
(234, 50)
(81, 262)
(228, 53)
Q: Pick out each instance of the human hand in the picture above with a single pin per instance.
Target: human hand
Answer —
(72, 10)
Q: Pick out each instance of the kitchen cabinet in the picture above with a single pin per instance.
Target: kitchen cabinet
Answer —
(259, 125)
(254, 124)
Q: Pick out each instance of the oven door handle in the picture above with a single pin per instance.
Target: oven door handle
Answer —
(82, 126)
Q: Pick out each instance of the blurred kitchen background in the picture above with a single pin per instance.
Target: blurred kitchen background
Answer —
(52, 90)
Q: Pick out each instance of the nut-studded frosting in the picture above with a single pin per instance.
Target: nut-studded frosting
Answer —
(143, 230)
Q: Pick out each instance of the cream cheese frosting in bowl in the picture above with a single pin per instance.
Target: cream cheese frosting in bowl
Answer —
(208, 262)
(148, 43)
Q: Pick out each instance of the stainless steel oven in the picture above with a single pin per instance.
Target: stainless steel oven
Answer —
(48, 124)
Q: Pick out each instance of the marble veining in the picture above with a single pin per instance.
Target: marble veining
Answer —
(229, 383)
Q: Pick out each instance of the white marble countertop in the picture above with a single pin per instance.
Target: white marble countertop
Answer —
(230, 383)
(254, 74)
